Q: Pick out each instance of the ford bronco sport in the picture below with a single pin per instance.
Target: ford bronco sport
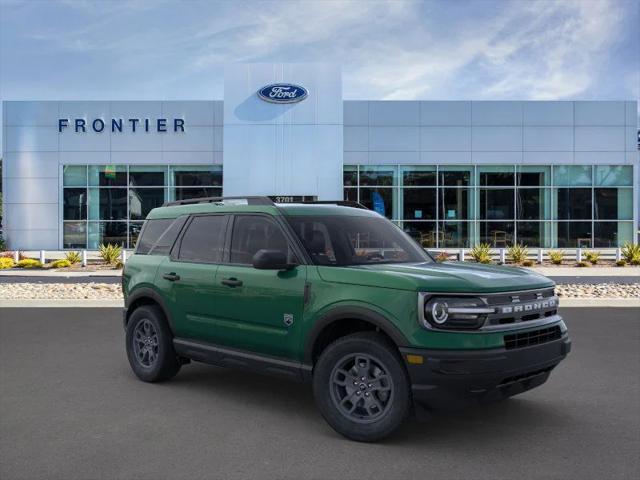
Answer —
(337, 295)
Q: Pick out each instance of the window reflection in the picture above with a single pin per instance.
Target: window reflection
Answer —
(574, 203)
(574, 234)
(419, 203)
(497, 234)
(119, 198)
(143, 200)
(496, 204)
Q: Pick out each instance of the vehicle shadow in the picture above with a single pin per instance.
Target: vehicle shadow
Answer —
(492, 423)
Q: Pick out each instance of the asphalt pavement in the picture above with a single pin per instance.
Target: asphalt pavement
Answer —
(70, 408)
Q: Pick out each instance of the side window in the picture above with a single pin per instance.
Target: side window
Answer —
(151, 232)
(168, 238)
(204, 239)
(317, 241)
(252, 233)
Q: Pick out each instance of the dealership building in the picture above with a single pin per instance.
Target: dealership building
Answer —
(554, 174)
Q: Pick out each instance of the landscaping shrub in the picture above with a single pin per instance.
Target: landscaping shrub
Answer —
(592, 257)
(582, 263)
(631, 253)
(3, 245)
(556, 256)
(9, 254)
(110, 253)
(481, 253)
(6, 263)
(29, 263)
(527, 263)
(621, 263)
(62, 263)
(73, 257)
(442, 257)
(517, 253)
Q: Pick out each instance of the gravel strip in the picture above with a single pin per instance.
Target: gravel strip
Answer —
(599, 290)
(51, 291)
(106, 291)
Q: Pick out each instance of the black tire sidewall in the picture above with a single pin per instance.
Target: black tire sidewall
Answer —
(167, 364)
(378, 347)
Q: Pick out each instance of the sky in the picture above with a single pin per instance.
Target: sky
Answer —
(400, 50)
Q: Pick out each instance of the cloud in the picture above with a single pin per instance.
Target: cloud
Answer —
(396, 49)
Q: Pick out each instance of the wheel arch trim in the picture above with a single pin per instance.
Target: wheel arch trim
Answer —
(346, 313)
(146, 292)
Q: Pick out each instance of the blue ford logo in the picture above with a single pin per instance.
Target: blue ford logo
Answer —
(283, 93)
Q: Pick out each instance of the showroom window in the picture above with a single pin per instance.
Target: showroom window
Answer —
(108, 203)
(451, 206)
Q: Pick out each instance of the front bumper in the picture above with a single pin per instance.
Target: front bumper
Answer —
(455, 378)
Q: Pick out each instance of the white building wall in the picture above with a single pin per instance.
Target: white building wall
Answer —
(488, 132)
(297, 149)
(291, 149)
(34, 153)
(493, 132)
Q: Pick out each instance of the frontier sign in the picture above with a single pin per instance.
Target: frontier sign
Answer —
(98, 125)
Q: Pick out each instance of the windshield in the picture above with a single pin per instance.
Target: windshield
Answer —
(352, 240)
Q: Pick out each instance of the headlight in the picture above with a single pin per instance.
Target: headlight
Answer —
(454, 313)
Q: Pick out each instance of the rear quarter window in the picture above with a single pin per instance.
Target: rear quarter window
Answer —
(158, 235)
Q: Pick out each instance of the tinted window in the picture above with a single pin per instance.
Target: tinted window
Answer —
(151, 232)
(354, 240)
(253, 233)
(204, 239)
(574, 203)
(75, 203)
(166, 240)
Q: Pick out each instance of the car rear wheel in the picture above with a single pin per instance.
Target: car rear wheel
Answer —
(361, 387)
(150, 345)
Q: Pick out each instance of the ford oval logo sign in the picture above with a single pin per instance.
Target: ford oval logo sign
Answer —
(283, 93)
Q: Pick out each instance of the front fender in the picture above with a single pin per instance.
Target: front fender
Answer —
(337, 313)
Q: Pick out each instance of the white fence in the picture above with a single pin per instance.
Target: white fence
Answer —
(537, 255)
(498, 255)
(49, 255)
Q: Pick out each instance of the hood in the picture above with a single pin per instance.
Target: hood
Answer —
(456, 277)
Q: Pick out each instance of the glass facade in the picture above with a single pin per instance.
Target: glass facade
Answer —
(108, 203)
(551, 206)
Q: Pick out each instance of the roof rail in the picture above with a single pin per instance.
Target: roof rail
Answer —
(341, 203)
(193, 201)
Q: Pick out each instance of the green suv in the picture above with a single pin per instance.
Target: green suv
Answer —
(338, 296)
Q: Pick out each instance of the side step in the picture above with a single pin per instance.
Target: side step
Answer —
(229, 357)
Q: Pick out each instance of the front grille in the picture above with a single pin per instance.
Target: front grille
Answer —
(521, 306)
(534, 337)
(503, 298)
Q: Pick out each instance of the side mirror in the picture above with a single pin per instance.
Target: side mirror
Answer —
(271, 260)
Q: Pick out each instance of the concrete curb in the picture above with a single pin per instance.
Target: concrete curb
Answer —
(81, 303)
(22, 272)
(65, 303)
(587, 271)
(574, 302)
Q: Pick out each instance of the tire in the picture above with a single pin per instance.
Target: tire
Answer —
(150, 345)
(384, 398)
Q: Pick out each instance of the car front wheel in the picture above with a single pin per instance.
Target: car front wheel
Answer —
(361, 387)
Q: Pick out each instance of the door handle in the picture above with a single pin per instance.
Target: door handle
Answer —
(172, 277)
(231, 282)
